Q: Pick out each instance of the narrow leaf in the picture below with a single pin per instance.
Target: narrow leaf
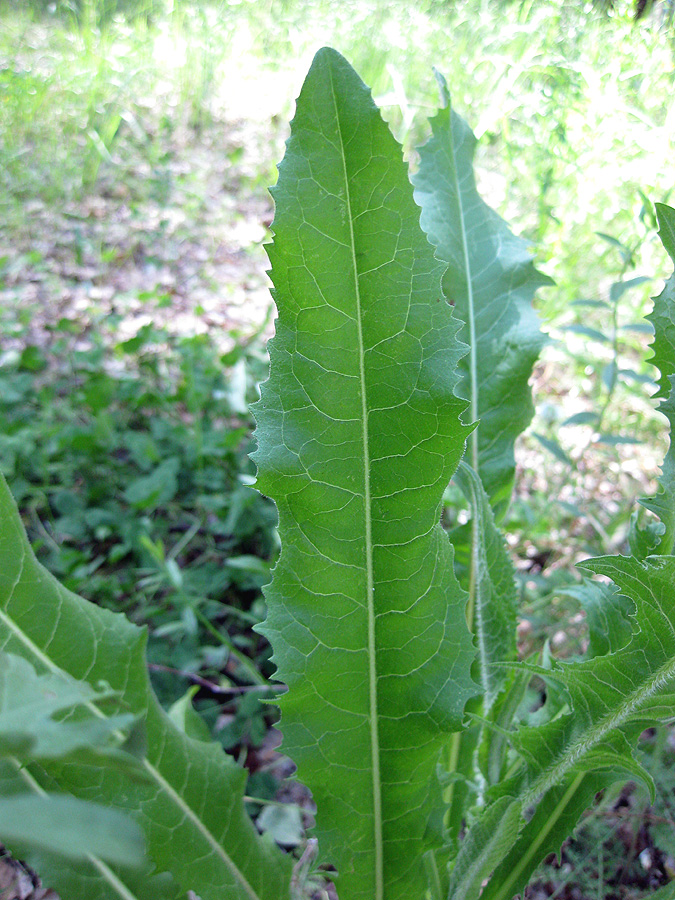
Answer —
(587, 331)
(553, 448)
(619, 288)
(493, 592)
(359, 434)
(29, 702)
(581, 418)
(544, 833)
(483, 848)
(71, 827)
(490, 281)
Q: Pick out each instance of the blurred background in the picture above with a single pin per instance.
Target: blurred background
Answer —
(138, 139)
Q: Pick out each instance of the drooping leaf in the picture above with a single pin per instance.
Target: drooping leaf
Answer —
(29, 703)
(490, 281)
(662, 318)
(188, 801)
(70, 827)
(359, 433)
(93, 878)
(34, 726)
(608, 614)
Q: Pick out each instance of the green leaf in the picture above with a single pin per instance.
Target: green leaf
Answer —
(552, 823)
(608, 614)
(666, 217)
(492, 593)
(553, 448)
(619, 288)
(70, 827)
(667, 892)
(612, 699)
(490, 281)
(591, 304)
(484, 847)
(581, 418)
(190, 795)
(662, 318)
(491, 614)
(283, 822)
(184, 717)
(588, 332)
(359, 433)
(29, 702)
(610, 695)
(637, 327)
(155, 489)
(613, 440)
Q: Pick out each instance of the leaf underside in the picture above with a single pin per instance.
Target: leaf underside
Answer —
(358, 434)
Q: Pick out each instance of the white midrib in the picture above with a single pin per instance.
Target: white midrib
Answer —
(157, 777)
(370, 587)
(473, 408)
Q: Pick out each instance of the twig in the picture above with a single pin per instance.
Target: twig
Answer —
(212, 686)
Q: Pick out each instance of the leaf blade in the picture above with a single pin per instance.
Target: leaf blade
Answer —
(490, 281)
(362, 359)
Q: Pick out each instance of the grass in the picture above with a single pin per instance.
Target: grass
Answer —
(135, 153)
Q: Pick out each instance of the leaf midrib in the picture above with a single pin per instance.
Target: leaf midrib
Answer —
(370, 587)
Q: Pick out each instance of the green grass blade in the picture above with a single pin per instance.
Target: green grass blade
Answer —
(359, 431)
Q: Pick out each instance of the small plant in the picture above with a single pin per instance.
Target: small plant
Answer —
(400, 361)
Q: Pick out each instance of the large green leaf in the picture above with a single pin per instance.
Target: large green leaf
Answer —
(188, 796)
(359, 433)
(490, 281)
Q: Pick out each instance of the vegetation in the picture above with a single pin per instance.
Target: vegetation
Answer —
(126, 441)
